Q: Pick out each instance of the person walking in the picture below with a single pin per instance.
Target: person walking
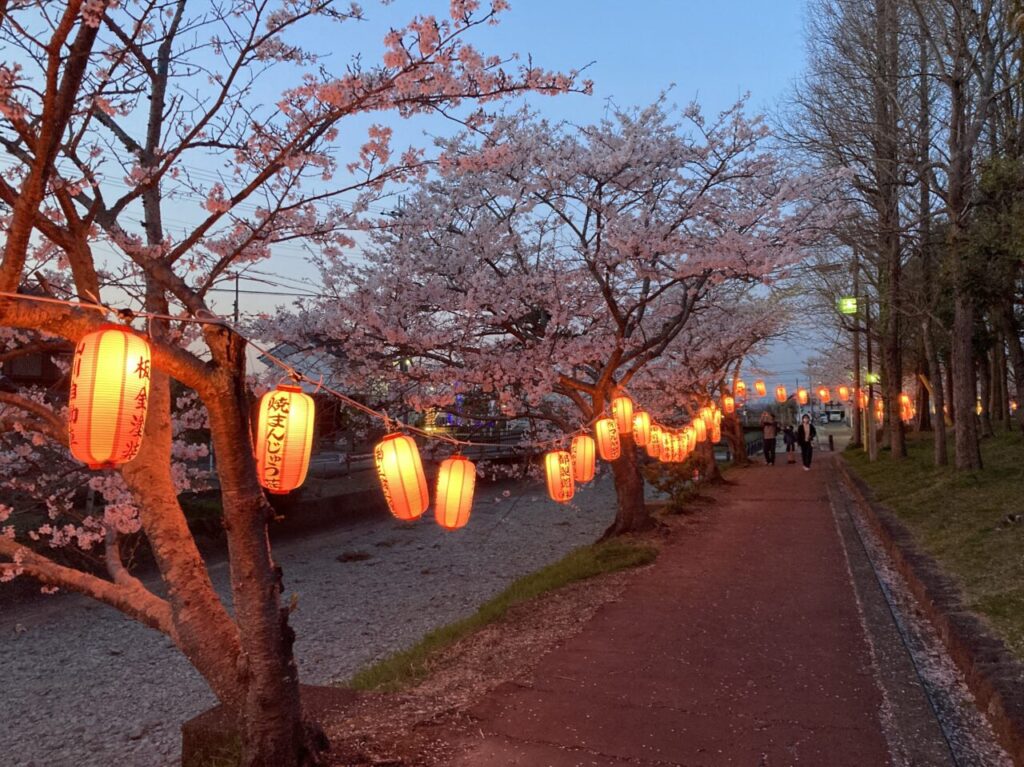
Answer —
(769, 431)
(805, 435)
(789, 439)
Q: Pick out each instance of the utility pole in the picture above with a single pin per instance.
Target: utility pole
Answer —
(236, 298)
(869, 413)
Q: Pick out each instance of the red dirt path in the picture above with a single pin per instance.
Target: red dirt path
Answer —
(742, 645)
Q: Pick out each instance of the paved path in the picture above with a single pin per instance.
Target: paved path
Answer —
(743, 645)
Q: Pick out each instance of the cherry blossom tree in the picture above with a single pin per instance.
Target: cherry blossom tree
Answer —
(545, 263)
(151, 148)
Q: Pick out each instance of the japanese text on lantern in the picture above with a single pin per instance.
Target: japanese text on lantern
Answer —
(273, 439)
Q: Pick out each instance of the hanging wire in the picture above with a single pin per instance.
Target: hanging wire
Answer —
(208, 318)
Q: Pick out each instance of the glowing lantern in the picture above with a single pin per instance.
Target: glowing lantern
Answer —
(879, 411)
(109, 397)
(740, 388)
(728, 404)
(456, 480)
(1013, 406)
(583, 459)
(824, 394)
(906, 407)
(401, 476)
(654, 441)
(686, 444)
(284, 438)
(780, 394)
(641, 427)
(862, 399)
(558, 468)
(707, 415)
(802, 396)
(979, 408)
(622, 412)
(716, 433)
(700, 429)
(666, 445)
(608, 445)
(844, 393)
(760, 388)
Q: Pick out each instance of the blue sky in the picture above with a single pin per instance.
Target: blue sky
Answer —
(710, 51)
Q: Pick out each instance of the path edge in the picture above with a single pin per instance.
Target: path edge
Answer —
(993, 675)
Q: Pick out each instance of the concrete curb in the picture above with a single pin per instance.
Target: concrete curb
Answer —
(994, 676)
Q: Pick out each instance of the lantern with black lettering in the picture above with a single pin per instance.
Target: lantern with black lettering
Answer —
(109, 396)
(284, 438)
(401, 476)
(558, 469)
(622, 412)
(641, 427)
(608, 445)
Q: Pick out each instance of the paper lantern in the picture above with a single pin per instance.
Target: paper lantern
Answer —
(582, 451)
(716, 433)
(728, 404)
(666, 445)
(686, 444)
(284, 438)
(906, 407)
(879, 410)
(700, 430)
(608, 445)
(740, 388)
(824, 394)
(622, 412)
(641, 428)
(558, 468)
(844, 393)
(780, 394)
(400, 471)
(862, 399)
(456, 480)
(802, 396)
(760, 388)
(109, 396)
(654, 441)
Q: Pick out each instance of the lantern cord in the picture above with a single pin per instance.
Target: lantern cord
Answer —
(209, 318)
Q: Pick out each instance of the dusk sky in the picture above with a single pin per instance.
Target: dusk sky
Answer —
(711, 52)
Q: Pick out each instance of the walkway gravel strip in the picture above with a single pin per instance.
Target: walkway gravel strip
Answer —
(84, 687)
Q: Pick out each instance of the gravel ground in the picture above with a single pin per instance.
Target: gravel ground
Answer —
(84, 686)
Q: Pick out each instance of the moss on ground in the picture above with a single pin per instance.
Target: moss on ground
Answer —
(972, 523)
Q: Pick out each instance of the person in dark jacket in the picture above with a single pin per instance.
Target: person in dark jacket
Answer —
(789, 438)
(805, 436)
(769, 430)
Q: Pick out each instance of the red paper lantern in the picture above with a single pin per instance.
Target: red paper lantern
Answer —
(844, 393)
(284, 438)
(802, 396)
(700, 430)
(456, 481)
(824, 394)
(641, 428)
(608, 445)
(558, 468)
(728, 404)
(760, 388)
(780, 394)
(109, 396)
(400, 471)
(740, 388)
(622, 412)
(582, 451)
(716, 434)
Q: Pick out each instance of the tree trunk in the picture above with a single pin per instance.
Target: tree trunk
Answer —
(273, 733)
(733, 433)
(631, 512)
(968, 451)
(985, 387)
(938, 395)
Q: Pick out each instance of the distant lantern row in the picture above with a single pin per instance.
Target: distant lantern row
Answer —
(564, 469)
(845, 394)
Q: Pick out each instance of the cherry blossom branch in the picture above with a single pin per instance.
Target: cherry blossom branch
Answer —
(130, 597)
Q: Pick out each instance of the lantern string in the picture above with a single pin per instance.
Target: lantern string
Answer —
(204, 317)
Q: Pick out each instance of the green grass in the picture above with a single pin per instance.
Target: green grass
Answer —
(960, 518)
(409, 666)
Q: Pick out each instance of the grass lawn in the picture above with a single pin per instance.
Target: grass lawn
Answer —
(962, 520)
(409, 666)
